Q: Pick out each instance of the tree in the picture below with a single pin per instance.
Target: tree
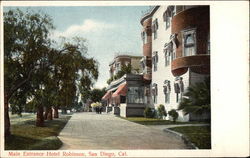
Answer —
(125, 69)
(197, 98)
(25, 44)
(97, 94)
(49, 76)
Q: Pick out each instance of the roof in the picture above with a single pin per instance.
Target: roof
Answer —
(122, 90)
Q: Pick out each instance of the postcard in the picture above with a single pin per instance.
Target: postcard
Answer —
(124, 79)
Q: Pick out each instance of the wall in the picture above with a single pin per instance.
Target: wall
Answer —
(198, 18)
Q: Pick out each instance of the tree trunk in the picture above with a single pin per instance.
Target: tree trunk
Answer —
(56, 112)
(50, 116)
(39, 117)
(6, 117)
(46, 113)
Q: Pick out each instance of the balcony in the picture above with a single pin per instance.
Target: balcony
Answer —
(197, 63)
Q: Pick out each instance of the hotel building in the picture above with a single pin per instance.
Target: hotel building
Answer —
(176, 54)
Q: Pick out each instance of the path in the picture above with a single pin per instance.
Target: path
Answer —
(105, 131)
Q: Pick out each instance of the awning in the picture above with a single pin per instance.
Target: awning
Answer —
(107, 96)
(122, 90)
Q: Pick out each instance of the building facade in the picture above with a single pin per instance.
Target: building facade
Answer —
(124, 60)
(176, 53)
(125, 95)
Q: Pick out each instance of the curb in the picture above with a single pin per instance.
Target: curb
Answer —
(182, 137)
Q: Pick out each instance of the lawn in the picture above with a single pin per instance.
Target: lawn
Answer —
(154, 121)
(26, 136)
(199, 135)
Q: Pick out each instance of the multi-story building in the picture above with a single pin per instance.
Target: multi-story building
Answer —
(122, 60)
(176, 50)
(125, 95)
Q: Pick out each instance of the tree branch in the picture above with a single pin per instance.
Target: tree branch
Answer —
(20, 84)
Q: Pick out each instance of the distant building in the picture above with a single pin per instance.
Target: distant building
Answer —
(122, 60)
(176, 53)
(125, 95)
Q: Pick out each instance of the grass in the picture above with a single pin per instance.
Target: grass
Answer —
(154, 121)
(199, 135)
(26, 136)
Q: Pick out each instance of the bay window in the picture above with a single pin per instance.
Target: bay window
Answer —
(135, 95)
(189, 42)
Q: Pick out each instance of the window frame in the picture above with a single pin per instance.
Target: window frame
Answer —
(155, 60)
(155, 28)
(155, 87)
(139, 95)
(185, 34)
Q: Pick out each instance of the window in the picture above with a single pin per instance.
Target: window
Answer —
(173, 45)
(189, 42)
(178, 88)
(168, 51)
(122, 99)
(167, 15)
(154, 93)
(155, 28)
(155, 60)
(144, 37)
(167, 90)
(135, 94)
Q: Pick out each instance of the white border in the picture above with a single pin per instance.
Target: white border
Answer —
(229, 21)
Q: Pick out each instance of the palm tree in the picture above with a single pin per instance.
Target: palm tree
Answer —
(197, 98)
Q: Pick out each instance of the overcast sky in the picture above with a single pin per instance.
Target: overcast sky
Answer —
(108, 30)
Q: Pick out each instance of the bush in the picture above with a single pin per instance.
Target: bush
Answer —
(173, 114)
(161, 111)
(149, 112)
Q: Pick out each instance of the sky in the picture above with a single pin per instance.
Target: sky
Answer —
(108, 29)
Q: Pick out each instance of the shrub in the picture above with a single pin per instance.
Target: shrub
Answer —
(173, 114)
(149, 112)
(161, 111)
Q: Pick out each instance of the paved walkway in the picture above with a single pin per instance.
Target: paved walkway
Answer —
(105, 131)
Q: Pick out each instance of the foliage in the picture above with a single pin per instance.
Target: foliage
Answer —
(97, 94)
(199, 135)
(197, 98)
(78, 106)
(94, 95)
(96, 104)
(125, 69)
(109, 80)
(149, 112)
(161, 111)
(174, 114)
(36, 70)
(26, 46)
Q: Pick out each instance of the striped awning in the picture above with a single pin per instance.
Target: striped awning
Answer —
(122, 90)
(107, 96)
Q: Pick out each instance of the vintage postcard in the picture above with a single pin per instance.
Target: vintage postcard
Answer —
(124, 78)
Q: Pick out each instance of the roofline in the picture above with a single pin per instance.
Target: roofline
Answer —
(124, 56)
(149, 14)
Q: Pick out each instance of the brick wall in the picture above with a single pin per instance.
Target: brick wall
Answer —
(198, 18)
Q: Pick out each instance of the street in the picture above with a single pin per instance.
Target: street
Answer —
(106, 131)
